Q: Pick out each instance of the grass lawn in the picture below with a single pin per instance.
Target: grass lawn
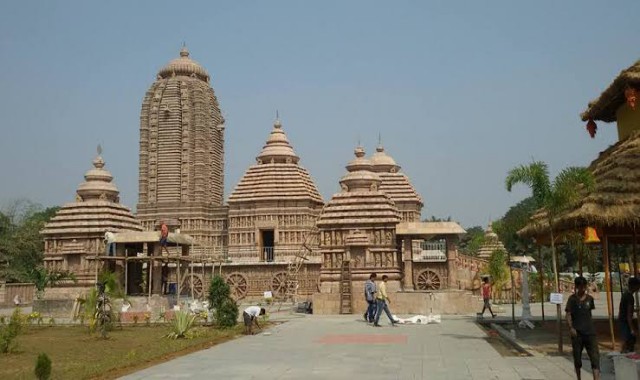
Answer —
(77, 355)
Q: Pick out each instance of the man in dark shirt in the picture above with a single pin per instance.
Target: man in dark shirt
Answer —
(628, 329)
(583, 334)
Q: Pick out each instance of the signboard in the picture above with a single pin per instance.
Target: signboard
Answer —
(555, 298)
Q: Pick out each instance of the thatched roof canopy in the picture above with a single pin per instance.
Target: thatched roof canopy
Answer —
(614, 200)
(605, 106)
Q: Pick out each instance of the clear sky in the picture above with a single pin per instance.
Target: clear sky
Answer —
(460, 91)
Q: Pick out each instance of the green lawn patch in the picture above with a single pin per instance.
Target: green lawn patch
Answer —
(77, 355)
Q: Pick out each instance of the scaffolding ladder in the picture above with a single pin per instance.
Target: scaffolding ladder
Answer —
(345, 288)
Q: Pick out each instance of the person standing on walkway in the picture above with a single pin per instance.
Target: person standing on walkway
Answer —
(486, 296)
(628, 329)
(370, 297)
(382, 299)
(164, 236)
(250, 316)
(583, 334)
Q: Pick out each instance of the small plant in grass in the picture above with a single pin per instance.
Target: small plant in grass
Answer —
(147, 319)
(181, 324)
(35, 317)
(136, 318)
(227, 313)
(3, 320)
(10, 331)
(162, 317)
(43, 367)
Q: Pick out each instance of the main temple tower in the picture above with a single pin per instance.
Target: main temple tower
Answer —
(181, 176)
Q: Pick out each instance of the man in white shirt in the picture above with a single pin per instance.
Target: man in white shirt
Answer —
(250, 316)
(110, 246)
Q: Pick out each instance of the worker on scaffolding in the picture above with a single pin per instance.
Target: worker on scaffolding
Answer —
(164, 236)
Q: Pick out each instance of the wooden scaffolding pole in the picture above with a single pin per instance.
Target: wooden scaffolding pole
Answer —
(541, 280)
(607, 279)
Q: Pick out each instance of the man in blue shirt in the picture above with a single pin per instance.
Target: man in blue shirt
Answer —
(370, 296)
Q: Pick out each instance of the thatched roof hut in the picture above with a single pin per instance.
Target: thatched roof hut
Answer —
(614, 201)
(606, 106)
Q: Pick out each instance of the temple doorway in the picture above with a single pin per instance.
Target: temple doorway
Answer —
(268, 241)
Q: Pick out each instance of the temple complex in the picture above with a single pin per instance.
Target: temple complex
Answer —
(75, 235)
(274, 234)
(181, 177)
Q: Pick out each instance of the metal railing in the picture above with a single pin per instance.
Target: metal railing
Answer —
(268, 254)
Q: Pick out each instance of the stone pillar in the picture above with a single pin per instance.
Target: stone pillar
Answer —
(526, 308)
(407, 259)
(452, 256)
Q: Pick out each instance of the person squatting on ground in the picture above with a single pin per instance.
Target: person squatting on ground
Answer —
(628, 329)
(164, 236)
(486, 297)
(250, 316)
(583, 333)
(382, 299)
(370, 296)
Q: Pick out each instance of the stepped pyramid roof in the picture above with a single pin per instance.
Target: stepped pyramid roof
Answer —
(361, 202)
(394, 183)
(276, 174)
(491, 243)
(97, 208)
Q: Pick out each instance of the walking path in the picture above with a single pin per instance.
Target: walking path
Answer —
(343, 347)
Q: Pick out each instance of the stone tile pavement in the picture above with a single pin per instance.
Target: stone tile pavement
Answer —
(343, 347)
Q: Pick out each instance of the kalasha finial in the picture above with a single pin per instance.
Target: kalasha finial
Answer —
(99, 149)
(277, 123)
(184, 52)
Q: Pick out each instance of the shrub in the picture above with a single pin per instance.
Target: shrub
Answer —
(219, 291)
(10, 331)
(181, 325)
(43, 367)
(227, 313)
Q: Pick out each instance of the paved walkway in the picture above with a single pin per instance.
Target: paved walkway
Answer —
(342, 347)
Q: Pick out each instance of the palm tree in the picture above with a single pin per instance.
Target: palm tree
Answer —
(553, 198)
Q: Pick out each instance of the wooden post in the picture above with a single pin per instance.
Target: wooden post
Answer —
(126, 274)
(607, 279)
(541, 280)
(191, 265)
(150, 270)
(634, 252)
(178, 271)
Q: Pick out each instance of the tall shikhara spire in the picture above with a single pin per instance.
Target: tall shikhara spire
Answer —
(182, 152)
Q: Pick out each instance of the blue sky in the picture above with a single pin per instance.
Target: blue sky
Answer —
(460, 93)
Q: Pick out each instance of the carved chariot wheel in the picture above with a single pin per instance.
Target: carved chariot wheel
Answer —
(238, 284)
(428, 280)
(196, 284)
(279, 284)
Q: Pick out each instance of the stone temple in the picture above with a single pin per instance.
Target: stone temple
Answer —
(275, 233)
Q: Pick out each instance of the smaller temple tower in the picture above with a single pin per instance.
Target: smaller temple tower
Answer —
(491, 243)
(397, 186)
(357, 231)
(75, 235)
(273, 209)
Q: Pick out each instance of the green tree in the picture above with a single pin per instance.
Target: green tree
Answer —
(498, 268)
(43, 367)
(21, 245)
(219, 291)
(554, 197)
(472, 241)
(514, 220)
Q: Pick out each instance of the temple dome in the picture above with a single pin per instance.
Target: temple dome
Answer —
(361, 202)
(184, 66)
(277, 148)
(96, 209)
(491, 244)
(276, 175)
(382, 162)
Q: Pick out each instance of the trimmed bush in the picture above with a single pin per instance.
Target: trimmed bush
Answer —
(227, 313)
(43, 367)
(219, 291)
